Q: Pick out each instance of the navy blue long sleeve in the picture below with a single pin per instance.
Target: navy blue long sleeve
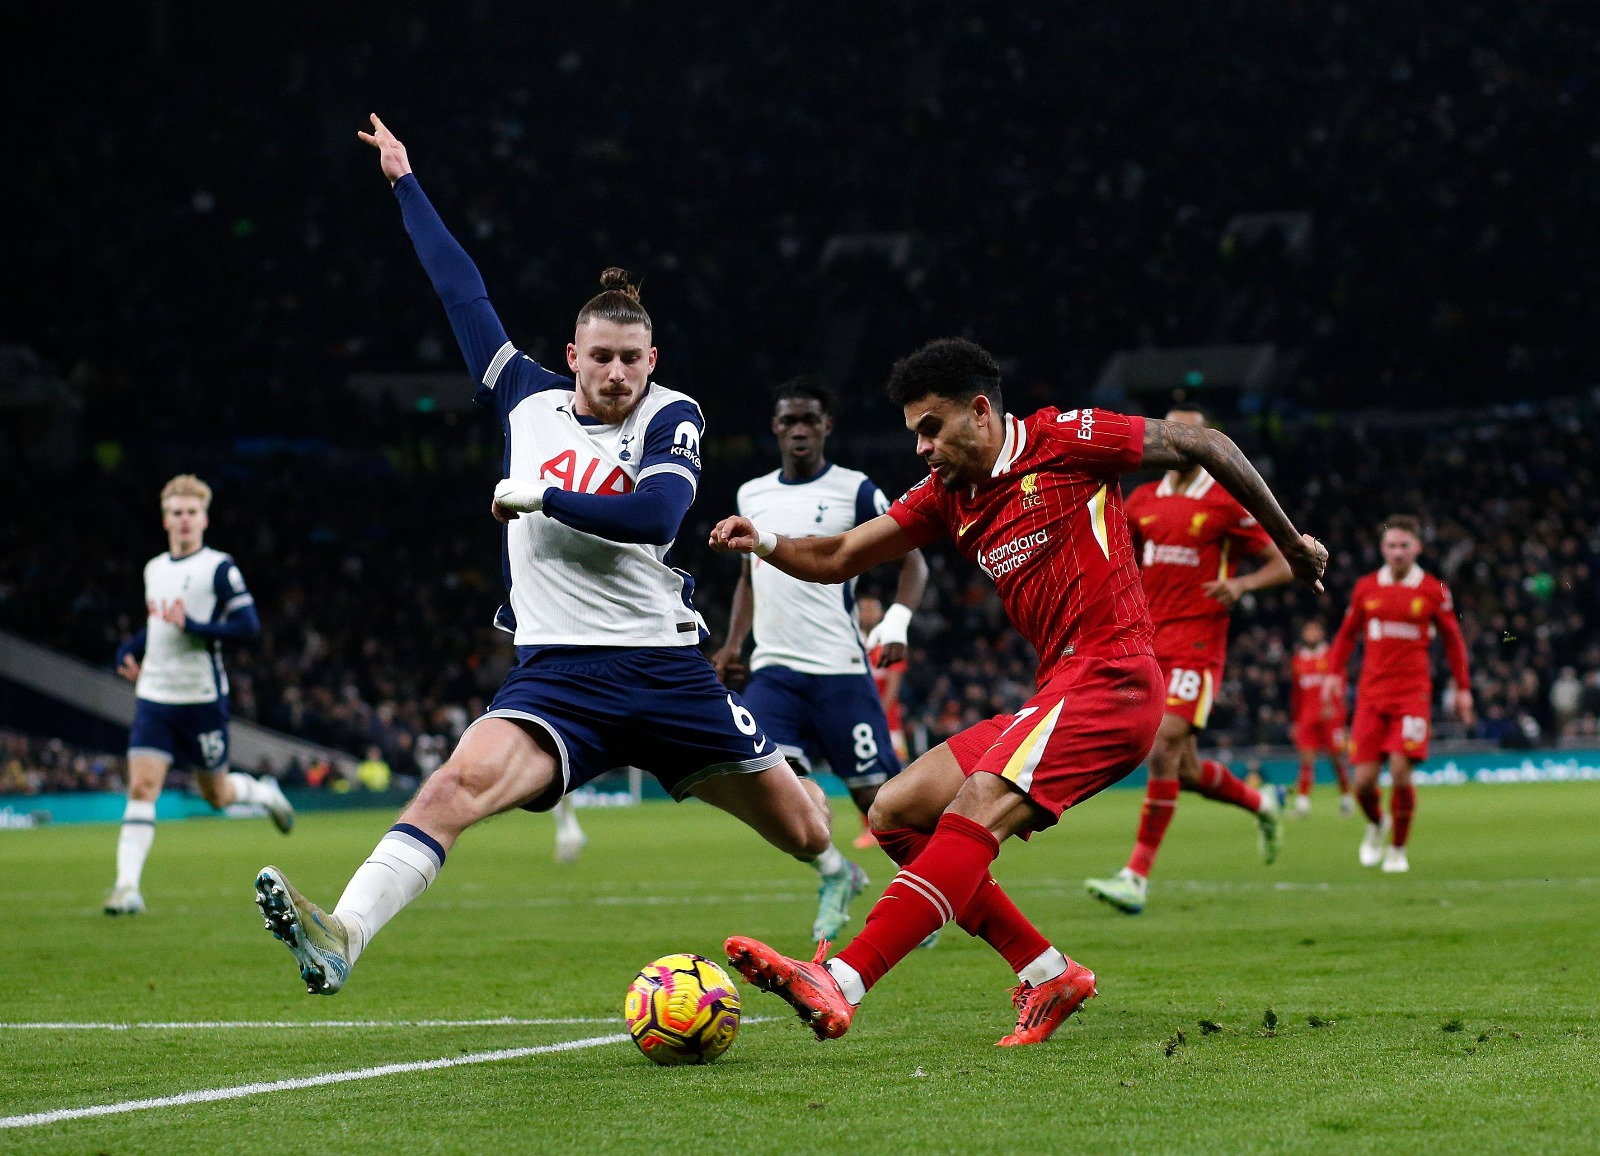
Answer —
(455, 278)
(134, 647)
(650, 514)
(242, 623)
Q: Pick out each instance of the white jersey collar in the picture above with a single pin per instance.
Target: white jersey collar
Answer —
(1413, 577)
(1198, 488)
(1016, 441)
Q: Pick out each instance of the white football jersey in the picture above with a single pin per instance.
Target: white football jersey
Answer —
(178, 667)
(569, 588)
(808, 626)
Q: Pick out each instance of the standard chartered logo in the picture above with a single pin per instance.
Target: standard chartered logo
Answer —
(1005, 558)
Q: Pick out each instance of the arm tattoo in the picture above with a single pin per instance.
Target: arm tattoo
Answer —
(1177, 446)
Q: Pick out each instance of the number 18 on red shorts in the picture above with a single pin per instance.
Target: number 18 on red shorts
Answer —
(1385, 728)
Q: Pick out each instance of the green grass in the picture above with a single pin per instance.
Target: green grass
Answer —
(1495, 934)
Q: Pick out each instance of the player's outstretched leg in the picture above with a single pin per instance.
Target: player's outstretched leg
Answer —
(1216, 781)
(1126, 890)
(498, 765)
(570, 839)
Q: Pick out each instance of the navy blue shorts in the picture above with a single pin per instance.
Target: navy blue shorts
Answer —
(837, 717)
(193, 733)
(660, 709)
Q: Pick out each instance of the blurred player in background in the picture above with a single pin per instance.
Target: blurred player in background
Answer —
(1036, 503)
(810, 684)
(1397, 610)
(600, 470)
(196, 600)
(888, 675)
(1318, 718)
(1188, 533)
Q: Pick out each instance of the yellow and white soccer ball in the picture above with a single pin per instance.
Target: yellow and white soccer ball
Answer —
(682, 1009)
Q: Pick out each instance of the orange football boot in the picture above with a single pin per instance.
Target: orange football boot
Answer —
(1042, 1009)
(809, 988)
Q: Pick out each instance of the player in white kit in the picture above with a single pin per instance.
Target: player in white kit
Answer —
(811, 685)
(195, 599)
(599, 471)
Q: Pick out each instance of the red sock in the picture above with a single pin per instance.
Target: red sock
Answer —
(902, 844)
(1371, 803)
(991, 916)
(923, 897)
(1160, 804)
(1219, 783)
(1308, 775)
(1402, 805)
(1343, 773)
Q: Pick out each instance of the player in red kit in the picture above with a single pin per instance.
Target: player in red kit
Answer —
(1188, 533)
(887, 677)
(1397, 611)
(1318, 717)
(1036, 504)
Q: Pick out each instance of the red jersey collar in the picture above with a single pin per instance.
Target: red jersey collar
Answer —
(1196, 489)
(1016, 442)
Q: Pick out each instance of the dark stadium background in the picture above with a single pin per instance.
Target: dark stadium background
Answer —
(1389, 206)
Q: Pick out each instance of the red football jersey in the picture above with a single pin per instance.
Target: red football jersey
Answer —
(1047, 526)
(1311, 670)
(1187, 538)
(1398, 619)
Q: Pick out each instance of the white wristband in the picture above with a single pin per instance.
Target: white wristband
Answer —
(766, 543)
(524, 497)
(893, 626)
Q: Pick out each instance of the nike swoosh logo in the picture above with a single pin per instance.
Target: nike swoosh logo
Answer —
(866, 766)
(965, 526)
(762, 745)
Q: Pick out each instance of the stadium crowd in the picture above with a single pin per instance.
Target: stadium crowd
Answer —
(210, 315)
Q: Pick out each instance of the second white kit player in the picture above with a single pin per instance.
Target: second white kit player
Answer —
(811, 685)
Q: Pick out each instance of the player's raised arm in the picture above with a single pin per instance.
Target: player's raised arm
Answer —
(837, 558)
(455, 278)
(1171, 445)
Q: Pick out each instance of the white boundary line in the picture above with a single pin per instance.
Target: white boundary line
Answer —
(201, 1025)
(240, 1091)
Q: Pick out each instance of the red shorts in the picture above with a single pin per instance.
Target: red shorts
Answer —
(1390, 728)
(1089, 726)
(1193, 653)
(1319, 734)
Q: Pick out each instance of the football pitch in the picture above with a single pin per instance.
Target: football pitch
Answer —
(1312, 1005)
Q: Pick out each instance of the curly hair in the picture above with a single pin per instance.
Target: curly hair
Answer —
(951, 367)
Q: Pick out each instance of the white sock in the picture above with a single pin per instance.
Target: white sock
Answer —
(399, 869)
(848, 979)
(830, 862)
(1050, 964)
(248, 790)
(567, 817)
(133, 844)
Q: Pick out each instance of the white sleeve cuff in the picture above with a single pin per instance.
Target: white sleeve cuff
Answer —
(893, 627)
(524, 497)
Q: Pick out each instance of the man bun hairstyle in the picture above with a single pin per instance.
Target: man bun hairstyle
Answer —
(186, 486)
(618, 301)
(951, 367)
(805, 388)
(1410, 523)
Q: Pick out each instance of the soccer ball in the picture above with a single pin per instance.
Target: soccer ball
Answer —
(682, 1009)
